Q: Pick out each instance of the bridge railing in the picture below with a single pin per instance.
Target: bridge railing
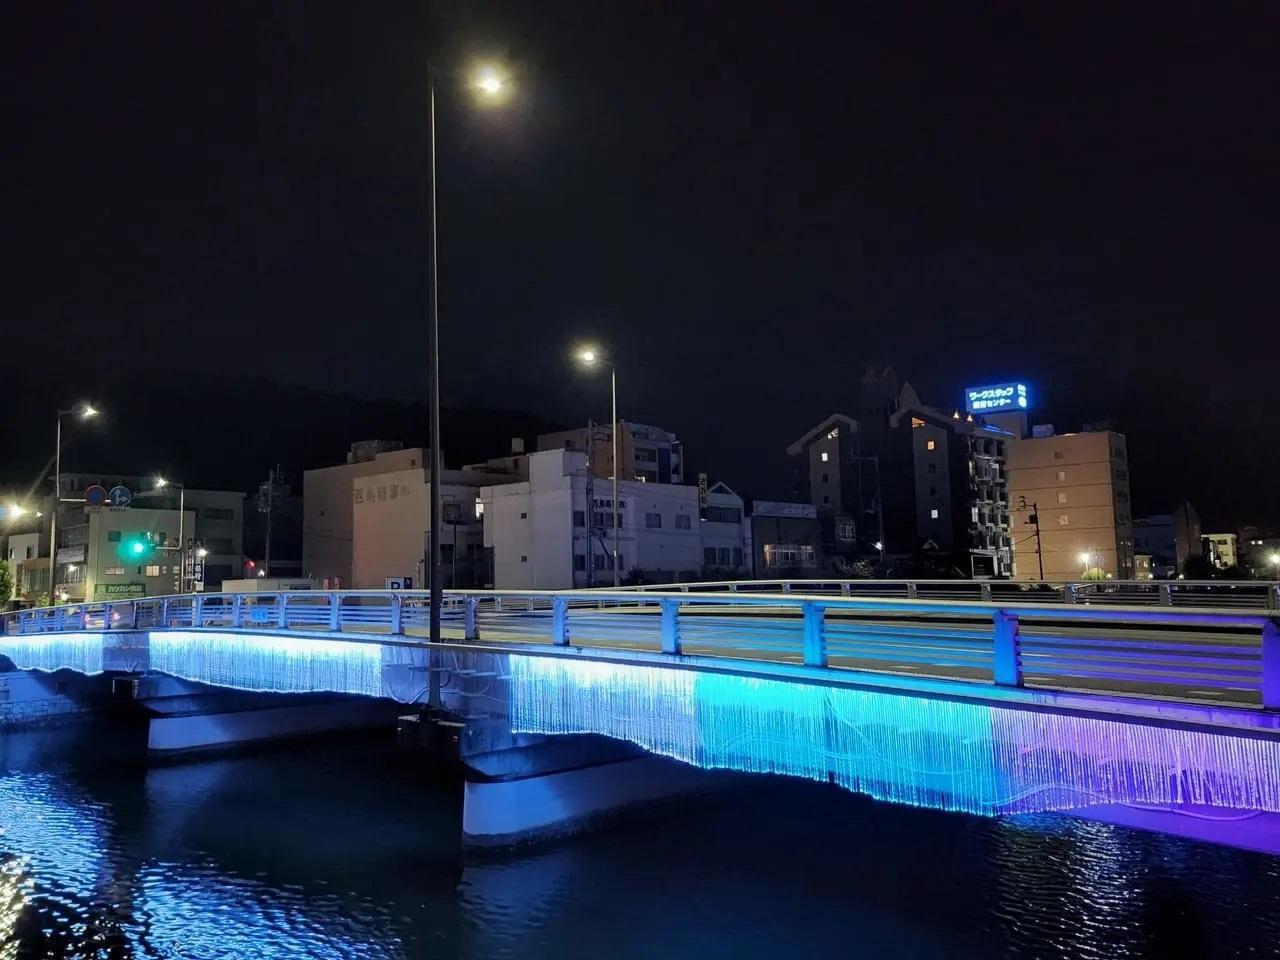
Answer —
(1177, 651)
(1246, 594)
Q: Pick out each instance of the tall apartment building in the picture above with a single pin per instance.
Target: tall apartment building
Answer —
(948, 470)
(647, 453)
(831, 474)
(1079, 484)
(553, 530)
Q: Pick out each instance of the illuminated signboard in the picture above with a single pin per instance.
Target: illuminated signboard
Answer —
(997, 397)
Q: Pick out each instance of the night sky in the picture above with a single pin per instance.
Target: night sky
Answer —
(748, 203)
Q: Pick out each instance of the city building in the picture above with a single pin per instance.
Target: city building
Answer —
(115, 553)
(646, 453)
(950, 469)
(29, 565)
(327, 507)
(1259, 553)
(786, 540)
(1171, 539)
(1142, 567)
(553, 529)
(832, 475)
(1077, 486)
(1220, 550)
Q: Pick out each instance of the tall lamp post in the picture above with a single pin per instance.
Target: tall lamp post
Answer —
(490, 83)
(591, 357)
(162, 483)
(85, 411)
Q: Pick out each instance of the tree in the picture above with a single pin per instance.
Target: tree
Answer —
(6, 584)
(1094, 573)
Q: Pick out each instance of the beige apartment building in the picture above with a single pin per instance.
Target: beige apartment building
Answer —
(1079, 484)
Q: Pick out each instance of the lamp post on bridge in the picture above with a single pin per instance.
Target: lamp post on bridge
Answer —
(492, 85)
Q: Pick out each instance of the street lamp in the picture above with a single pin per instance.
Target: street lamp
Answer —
(161, 484)
(591, 357)
(83, 411)
(491, 85)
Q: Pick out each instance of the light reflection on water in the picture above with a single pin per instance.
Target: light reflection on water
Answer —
(343, 849)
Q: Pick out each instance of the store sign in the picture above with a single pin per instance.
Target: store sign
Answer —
(997, 397)
(74, 554)
(118, 591)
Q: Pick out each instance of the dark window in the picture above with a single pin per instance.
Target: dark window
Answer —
(216, 513)
(722, 556)
(579, 561)
(737, 556)
(826, 478)
(683, 521)
(221, 545)
(524, 516)
(709, 556)
(653, 520)
(113, 536)
(524, 559)
(580, 520)
(724, 514)
(933, 468)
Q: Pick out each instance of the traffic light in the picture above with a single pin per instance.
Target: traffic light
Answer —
(136, 547)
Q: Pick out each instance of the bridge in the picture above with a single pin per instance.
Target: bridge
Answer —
(1120, 697)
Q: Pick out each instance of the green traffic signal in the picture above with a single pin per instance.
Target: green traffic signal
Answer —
(136, 547)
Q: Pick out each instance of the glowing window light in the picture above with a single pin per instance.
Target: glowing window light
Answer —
(948, 755)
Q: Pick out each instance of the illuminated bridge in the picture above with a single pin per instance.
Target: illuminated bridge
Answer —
(993, 707)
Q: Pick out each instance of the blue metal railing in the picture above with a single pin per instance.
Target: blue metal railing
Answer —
(1171, 651)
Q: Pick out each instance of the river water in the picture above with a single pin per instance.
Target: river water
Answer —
(347, 849)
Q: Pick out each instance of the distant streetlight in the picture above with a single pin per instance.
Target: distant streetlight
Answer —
(1275, 559)
(492, 83)
(591, 357)
(82, 411)
(161, 484)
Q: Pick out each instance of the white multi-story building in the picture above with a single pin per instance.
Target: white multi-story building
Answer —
(554, 530)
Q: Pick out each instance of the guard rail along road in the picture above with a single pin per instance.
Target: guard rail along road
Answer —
(1178, 641)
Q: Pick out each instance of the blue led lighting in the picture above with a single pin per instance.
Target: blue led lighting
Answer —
(948, 755)
(263, 662)
(56, 651)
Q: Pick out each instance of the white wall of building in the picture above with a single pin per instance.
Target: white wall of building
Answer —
(538, 529)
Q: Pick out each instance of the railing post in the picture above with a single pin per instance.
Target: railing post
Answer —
(471, 619)
(1271, 665)
(282, 610)
(985, 591)
(335, 612)
(164, 612)
(1006, 665)
(913, 590)
(845, 588)
(397, 614)
(670, 626)
(560, 621)
(815, 650)
(197, 611)
(133, 615)
(1069, 594)
(786, 587)
(1166, 594)
(237, 610)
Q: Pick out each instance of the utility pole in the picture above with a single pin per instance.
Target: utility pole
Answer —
(591, 504)
(1035, 518)
(271, 499)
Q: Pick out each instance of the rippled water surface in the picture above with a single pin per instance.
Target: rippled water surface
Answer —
(344, 850)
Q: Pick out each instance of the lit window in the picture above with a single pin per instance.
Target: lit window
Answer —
(153, 570)
(930, 445)
(1062, 475)
(917, 422)
(933, 514)
(1062, 496)
(825, 456)
(833, 433)
(1064, 520)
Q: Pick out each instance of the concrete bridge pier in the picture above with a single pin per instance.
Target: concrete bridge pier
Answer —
(521, 788)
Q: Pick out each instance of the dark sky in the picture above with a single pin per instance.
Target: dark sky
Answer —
(748, 203)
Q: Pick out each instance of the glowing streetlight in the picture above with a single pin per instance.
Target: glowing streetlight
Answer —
(202, 553)
(82, 411)
(590, 356)
(1275, 559)
(491, 83)
(14, 511)
(1084, 559)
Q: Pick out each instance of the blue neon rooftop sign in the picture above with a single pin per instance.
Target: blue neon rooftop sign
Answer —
(997, 398)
